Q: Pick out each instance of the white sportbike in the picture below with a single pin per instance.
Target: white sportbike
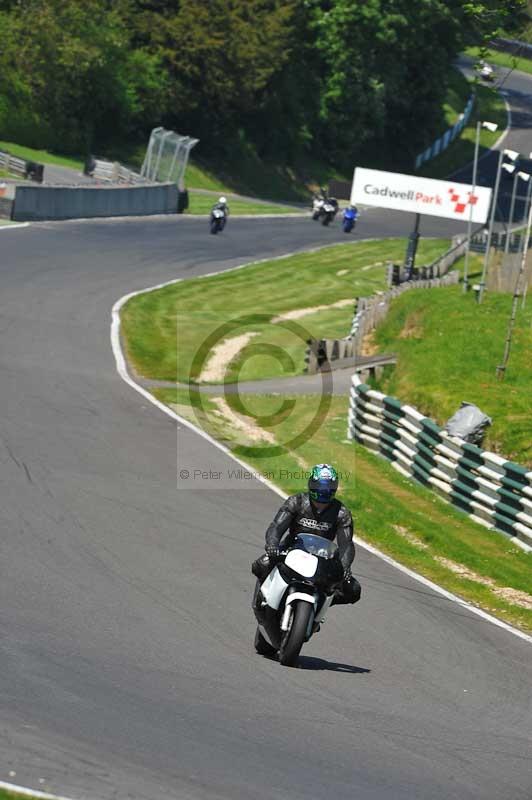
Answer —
(291, 604)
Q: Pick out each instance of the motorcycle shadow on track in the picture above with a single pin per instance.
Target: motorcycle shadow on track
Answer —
(319, 664)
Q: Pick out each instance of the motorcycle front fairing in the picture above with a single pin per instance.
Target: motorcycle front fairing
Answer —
(310, 572)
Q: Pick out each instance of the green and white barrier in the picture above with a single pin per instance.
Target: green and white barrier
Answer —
(493, 491)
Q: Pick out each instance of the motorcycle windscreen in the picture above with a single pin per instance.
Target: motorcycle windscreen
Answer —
(301, 562)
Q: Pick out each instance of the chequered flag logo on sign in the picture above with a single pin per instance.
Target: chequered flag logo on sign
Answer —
(461, 206)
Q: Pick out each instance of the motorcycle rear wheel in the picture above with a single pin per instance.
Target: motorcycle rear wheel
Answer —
(295, 637)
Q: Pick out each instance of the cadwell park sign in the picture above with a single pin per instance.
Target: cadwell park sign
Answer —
(409, 193)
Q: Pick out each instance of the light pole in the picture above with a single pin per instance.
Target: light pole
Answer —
(491, 126)
(524, 177)
(527, 204)
(513, 155)
(501, 369)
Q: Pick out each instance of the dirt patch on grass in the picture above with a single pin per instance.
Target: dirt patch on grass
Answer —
(241, 423)
(410, 537)
(513, 596)
(369, 345)
(413, 328)
(222, 355)
(303, 312)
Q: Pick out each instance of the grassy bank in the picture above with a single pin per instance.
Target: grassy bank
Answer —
(41, 156)
(449, 348)
(400, 518)
(164, 329)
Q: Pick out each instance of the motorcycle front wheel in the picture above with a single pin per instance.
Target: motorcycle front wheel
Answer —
(326, 219)
(214, 227)
(295, 637)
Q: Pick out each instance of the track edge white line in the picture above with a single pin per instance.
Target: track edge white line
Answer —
(11, 787)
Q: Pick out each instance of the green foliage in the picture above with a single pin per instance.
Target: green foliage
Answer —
(346, 79)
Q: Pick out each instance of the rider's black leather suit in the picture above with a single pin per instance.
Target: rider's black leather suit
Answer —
(298, 513)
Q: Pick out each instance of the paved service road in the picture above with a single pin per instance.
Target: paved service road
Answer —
(126, 632)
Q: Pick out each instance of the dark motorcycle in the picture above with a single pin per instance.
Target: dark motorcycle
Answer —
(292, 602)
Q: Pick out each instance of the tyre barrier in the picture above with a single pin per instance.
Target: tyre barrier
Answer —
(491, 490)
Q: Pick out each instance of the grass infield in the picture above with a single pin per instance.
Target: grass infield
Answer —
(166, 329)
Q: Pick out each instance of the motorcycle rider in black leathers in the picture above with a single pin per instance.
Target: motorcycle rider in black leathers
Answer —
(318, 512)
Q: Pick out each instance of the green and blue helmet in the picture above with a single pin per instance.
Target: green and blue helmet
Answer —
(323, 483)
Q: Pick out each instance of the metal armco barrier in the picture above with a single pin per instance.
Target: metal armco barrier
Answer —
(22, 168)
(369, 311)
(493, 491)
(62, 202)
(111, 171)
(449, 136)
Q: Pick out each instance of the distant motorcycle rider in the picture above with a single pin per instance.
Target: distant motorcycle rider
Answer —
(318, 512)
(221, 205)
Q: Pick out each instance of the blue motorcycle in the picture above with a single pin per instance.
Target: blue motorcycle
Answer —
(349, 219)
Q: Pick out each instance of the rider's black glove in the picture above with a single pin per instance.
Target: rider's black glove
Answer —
(272, 551)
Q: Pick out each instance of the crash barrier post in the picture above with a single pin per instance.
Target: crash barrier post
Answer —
(76, 202)
(369, 312)
(21, 167)
(493, 491)
(396, 274)
(443, 142)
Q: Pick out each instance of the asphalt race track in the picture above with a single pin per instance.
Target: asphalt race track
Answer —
(127, 667)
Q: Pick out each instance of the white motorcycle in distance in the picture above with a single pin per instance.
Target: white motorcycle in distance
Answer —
(485, 71)
(291, 604)
(324, 208)
(218, 220)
